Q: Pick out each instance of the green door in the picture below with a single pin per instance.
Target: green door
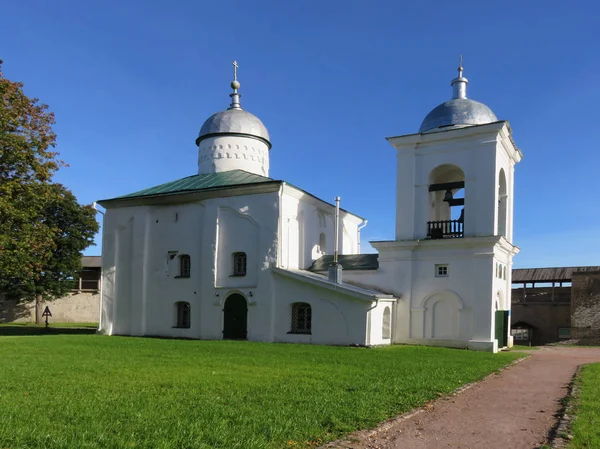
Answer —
(235, 320)
(502, 327)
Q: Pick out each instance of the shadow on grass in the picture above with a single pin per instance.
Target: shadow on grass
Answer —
(27, 329)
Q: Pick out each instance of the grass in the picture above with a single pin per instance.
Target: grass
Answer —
(88, 391)
(586, 426)
(53, 328)
(524, 348)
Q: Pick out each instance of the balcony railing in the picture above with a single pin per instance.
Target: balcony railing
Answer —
(445, 229)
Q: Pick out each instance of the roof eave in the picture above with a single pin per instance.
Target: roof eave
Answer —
(190, 195)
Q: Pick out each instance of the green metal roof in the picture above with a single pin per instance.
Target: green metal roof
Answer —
(200, 182)
(210, 181)
(348, 262)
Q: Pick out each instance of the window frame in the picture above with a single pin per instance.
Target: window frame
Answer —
(564, 335)
(301, 311)
(520, 334)
(439, 267)
(183, 315)
(240, 264)
(184, 272)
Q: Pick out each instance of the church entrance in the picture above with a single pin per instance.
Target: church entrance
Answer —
(235, 319)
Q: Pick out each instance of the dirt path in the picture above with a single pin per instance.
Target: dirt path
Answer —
(515, 409)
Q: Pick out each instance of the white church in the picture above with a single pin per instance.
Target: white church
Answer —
(230, 253)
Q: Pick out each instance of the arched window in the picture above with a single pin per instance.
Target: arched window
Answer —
(323, 242)
(239, 264)
(385, 327)
(301, 318)
(183, 314)
(185, 266)
(502, 203)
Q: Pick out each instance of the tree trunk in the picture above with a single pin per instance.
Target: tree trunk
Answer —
(38, 309)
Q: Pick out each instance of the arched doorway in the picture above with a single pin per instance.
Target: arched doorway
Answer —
(235, 318)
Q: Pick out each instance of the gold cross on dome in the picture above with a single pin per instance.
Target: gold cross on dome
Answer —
(235, 67)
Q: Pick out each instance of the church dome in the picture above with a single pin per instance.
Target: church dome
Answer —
(459, 111)
(233, 139)
(234, 121)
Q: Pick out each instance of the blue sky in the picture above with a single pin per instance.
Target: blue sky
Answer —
(131, 83)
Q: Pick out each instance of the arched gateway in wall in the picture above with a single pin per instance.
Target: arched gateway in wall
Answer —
(235, 318)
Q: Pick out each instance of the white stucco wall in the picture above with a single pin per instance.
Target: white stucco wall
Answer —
(224, 153)
(336, 318)
(455, 310)
(140, 283)
(143, 243)
(375, 322)
(303, 220)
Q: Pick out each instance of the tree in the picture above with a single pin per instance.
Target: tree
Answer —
(42, 227)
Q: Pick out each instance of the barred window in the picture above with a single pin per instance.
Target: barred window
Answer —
(183, 311)
(385, 327)
(185, 266)
(301, 318)
(239, 264)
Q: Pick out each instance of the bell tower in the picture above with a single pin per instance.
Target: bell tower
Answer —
(453, 250)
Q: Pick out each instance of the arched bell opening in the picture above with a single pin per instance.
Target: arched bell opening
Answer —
(502, 203)
(446, 193)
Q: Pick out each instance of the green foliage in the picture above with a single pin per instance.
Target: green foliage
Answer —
(92, 391)
(42, 226)
(586, 426)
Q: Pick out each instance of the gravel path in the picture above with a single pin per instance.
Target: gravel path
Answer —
(515, 409)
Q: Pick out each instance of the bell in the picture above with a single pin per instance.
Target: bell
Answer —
(448, 196)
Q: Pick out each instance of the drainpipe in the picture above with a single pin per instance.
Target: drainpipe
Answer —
(360, 227)
(335, 269)
(336, 230)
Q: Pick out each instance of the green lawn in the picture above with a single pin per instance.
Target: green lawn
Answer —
(88, 391)
(586, 426)
(524, 348)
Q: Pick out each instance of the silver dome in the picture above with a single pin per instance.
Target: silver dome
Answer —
(458, 111)
(234, 121)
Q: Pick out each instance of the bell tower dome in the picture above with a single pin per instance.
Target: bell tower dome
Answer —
(233, 139)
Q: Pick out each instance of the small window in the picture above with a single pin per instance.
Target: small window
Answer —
(520, 334)
(183, 314)
(385, 327)
(441, 270)
(185, 266)
(239, 264)
(504, 272)
(564, 333)
(301, 318)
